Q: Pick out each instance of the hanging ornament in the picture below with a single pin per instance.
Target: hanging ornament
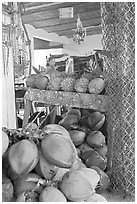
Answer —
(79, 33)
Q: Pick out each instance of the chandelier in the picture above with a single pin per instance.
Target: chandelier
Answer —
(79, 33)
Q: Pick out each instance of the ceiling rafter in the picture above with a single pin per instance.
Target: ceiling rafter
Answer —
(93, 13)
(69, 25)
(41, 5)
(30, 4)
(89, 28)
(89, 32)
(51, 7)
(45, 15)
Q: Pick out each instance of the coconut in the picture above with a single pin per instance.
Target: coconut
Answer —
(30, 80)
(55, 128)
(44, 168)
(77, 137)
(7, 189)
(54, 148)
(27, 183)
(92, 176)
(5, 142)
(96, 139)
(23, 157)
(52, 194)
(96, 160)
(96, 120)
(102, 150)
(68, 121)
(41, 82)
(96, 198)
(74, 112)
(104, 182)
(75, 186)
(27, 196)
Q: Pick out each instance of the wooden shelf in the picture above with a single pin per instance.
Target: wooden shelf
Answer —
(73, 99)
(61, 98)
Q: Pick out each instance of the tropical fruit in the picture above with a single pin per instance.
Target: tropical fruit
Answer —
(96, 120)
(81, 85)
(86, 112)
(102, 150)
(75, 186)
(55, 83)
(104, 182)
(78, 164)
(77, 137)
(78, 152)
(30, 80)
(27, 196)
(84, 121)
(60, 173)
(52, 194)
(68, 84)
(5, 142)
(96, 86)
(86, 154)
(44, 168)
(23, 157)
(87, 75)
(27, 183)
(74, 112)
(96, 198)
(41, 82)
(68, 121)
(96, 160)
(95, 139)
(91, 175)
(7, 189)
(54, 148)
(57, 129)
(84, 147)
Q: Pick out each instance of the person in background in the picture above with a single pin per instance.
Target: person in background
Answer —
(51, 67)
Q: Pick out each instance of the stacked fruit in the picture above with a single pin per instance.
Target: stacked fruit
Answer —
(85, 128)
(63, 162)
(59, 163)
(87, 83)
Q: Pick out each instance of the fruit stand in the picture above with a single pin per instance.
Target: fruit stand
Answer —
(88, 148)
(59, 98)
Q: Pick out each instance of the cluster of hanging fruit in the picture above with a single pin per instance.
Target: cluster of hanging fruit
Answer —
(64, 162)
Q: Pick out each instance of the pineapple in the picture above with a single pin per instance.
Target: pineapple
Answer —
(55, 83)
(87, 75)
(68, 84)
(81, 85)
(96, 86)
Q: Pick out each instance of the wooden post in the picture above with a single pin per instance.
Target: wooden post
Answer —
(27, 110)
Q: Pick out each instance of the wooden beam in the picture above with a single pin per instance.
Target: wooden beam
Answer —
(68, 26)
(52, 7)
(35, 6)
(32, 4)
(55, 19)
(90, 31)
